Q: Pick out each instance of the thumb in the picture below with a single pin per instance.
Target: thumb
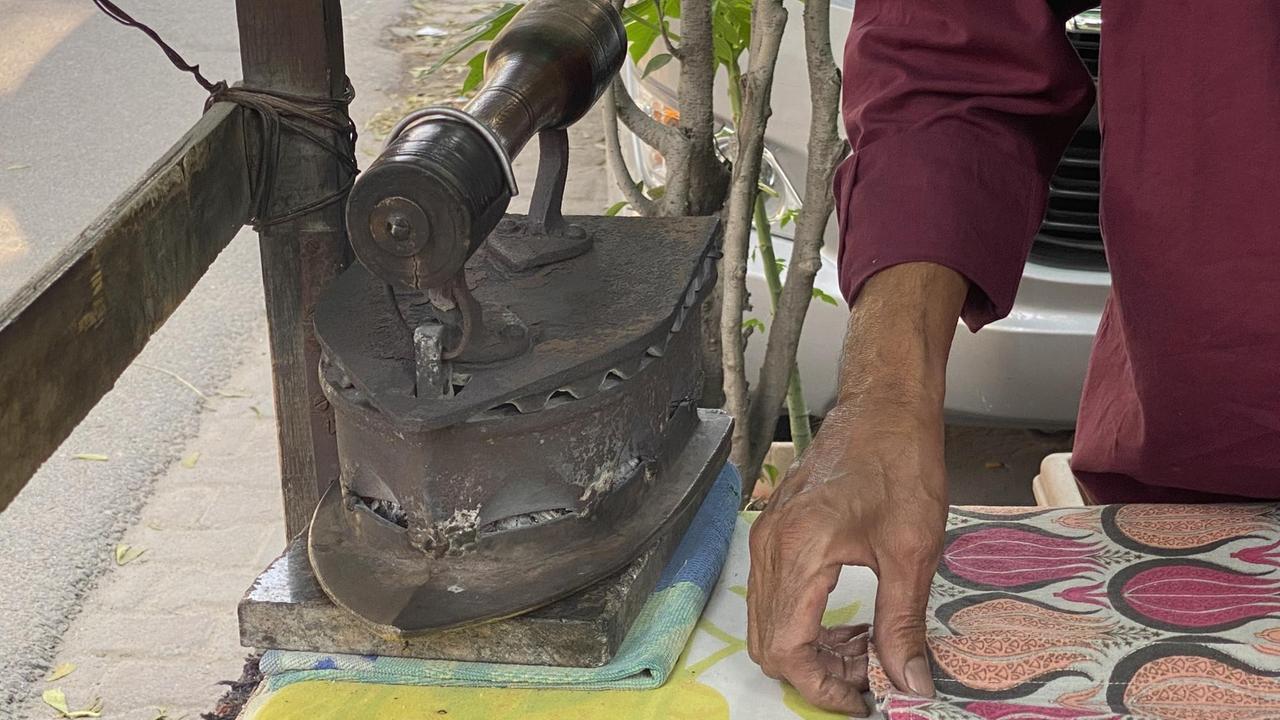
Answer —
(902, 597)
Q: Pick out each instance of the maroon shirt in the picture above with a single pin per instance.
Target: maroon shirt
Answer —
(958, 111)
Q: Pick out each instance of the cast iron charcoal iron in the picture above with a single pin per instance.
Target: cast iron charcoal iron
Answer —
(512, 394)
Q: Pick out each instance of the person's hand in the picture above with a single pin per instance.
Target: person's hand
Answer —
(870, 491)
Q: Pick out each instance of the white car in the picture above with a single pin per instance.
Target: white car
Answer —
(1025, 370)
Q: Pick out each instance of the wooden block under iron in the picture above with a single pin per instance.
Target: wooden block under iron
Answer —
(286, 609)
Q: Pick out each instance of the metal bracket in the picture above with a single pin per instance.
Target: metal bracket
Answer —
(548, 192)
(543, 237)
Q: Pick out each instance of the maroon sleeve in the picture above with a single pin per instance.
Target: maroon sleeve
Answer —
(957, 112)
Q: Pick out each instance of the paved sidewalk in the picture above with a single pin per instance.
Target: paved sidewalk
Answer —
(157, 634)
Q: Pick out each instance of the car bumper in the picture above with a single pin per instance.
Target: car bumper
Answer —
(1025, 370)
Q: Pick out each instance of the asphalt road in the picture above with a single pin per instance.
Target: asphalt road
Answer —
(85, 106)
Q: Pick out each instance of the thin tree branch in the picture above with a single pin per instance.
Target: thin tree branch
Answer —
(650, 131)
(613, 151)
(666, 34)
(769, 19)
(826, 150)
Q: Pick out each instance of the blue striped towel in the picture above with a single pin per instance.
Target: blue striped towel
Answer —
(644, 661)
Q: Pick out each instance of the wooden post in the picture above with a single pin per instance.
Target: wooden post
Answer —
(295, 46)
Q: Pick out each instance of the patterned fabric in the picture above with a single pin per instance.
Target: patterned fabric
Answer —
(1122, 611)
(645, 659)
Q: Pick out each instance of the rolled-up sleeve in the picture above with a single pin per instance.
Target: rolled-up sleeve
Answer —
(957, 112)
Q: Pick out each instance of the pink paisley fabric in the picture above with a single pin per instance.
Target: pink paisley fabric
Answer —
(1125, 611)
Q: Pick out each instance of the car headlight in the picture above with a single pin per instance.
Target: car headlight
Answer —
(653, 167)
(781, 198)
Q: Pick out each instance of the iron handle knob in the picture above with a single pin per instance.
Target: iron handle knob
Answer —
(441, 185)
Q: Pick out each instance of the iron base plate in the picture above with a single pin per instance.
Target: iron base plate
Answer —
(286, 609)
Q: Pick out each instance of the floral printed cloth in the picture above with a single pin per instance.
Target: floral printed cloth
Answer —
(1121, 611)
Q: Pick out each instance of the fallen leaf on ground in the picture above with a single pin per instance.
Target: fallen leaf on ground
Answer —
(60, 672)
(190, 459)
(190, 386)
(19, 166)
(126, 554)
(93, 711)
(231, 394)
(256, 411)
(56, 699)
(94, 457)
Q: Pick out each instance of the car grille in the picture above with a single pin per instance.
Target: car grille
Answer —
(1069, 236)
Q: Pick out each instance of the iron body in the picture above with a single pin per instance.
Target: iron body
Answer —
(539, 474)
(514, 417)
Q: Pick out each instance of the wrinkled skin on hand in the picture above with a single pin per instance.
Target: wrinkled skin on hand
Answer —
(870, 491)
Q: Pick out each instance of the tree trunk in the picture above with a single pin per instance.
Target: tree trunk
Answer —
(769, 19)
(826, 150)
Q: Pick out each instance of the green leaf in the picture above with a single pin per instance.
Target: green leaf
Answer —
(615, 208)
(190, 459)
(91, 457)
(643, 14)
(724, 53)
(781, 265)
(656, 63)
(56, 699)
(60, 672)
(824, 297)
(482, 30)
(475, 72)
(843, 615)
(753, 325)
(772, 473)
(730, 30)
(126, 554)
(787, 217)
(656, 192)
(641, 38)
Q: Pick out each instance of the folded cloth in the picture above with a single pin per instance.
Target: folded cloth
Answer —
(644, 660)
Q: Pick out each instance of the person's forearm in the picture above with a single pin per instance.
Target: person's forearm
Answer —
(898, 338)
